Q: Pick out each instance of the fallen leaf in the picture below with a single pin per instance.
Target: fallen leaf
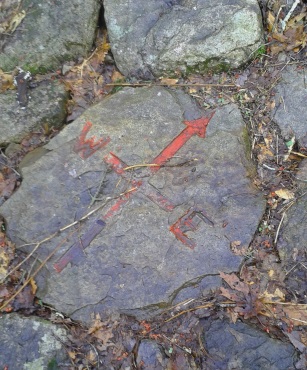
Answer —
(33, 286)
(117, 76)
(297, 314)
(6, 81)
(284, 194)
(234, 282)
(168, 81)
(270, 20)
(276, 296)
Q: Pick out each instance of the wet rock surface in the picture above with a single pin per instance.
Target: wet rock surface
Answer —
(46, 108)
(136, 264)
(153, 38)
(239, 346)
(290, 114)
(48, 33)
(31, 343)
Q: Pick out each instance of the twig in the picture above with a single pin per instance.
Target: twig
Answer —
(142, 165)
(167, 84)
(188, 350)
(13, 169)
(38, 244)
(189, 310)
(277, 232)
(287, 17)
(94, 198)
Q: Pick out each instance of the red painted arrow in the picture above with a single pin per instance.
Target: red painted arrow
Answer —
(195, 127)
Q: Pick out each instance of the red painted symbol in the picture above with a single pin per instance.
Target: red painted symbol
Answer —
(189, 222)
(87, 147)
(196, 127)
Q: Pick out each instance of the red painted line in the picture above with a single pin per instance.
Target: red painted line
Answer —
(176, 229)
(87, 147)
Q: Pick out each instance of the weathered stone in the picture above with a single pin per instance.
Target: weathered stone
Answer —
(239, 346)
(136, 265)
(31, 344)
(150, 356)
(50, 33)
(290, 100)
(152, 38)
(46, 108)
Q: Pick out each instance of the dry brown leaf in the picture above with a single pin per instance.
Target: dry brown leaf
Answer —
(285, 194)
(293, 21)
(6, 81)
(72, 355)
(91, 356)
(117, 76)
(276, 296)
(104, 335)
(297, 314)
(270, 20)
(234, 282)
(169, 81)
(279, 37)
(33, 286)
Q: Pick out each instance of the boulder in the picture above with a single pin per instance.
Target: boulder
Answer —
(153, 38)
(159, 230)
(47, 34)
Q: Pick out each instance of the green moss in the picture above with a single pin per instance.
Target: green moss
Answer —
(34, 69)
(251, 168)
(52, 365)
(212, 65)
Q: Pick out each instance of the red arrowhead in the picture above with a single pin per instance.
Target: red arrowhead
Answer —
(199, 125)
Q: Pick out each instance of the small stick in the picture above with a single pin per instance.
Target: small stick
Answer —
(142, 165)
(94, 198)
(35, 272)
(38, 244)
(277, 232)
(165, 84)
(287, 17)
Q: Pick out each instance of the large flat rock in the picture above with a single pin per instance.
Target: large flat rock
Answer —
(136, 264)
(48, 33)
(290, 98)
(152, 38)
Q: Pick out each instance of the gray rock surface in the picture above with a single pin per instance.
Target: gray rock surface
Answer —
(150, 356)
(290, 110)
(136, 265)
(31, 344)
(292, 239)
(46, 107)
(162, 36)
(239, 346)
(51, 32)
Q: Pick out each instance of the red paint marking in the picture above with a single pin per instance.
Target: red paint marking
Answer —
(87, 147)
(187, 222)
(153, 194)
(196, 127)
